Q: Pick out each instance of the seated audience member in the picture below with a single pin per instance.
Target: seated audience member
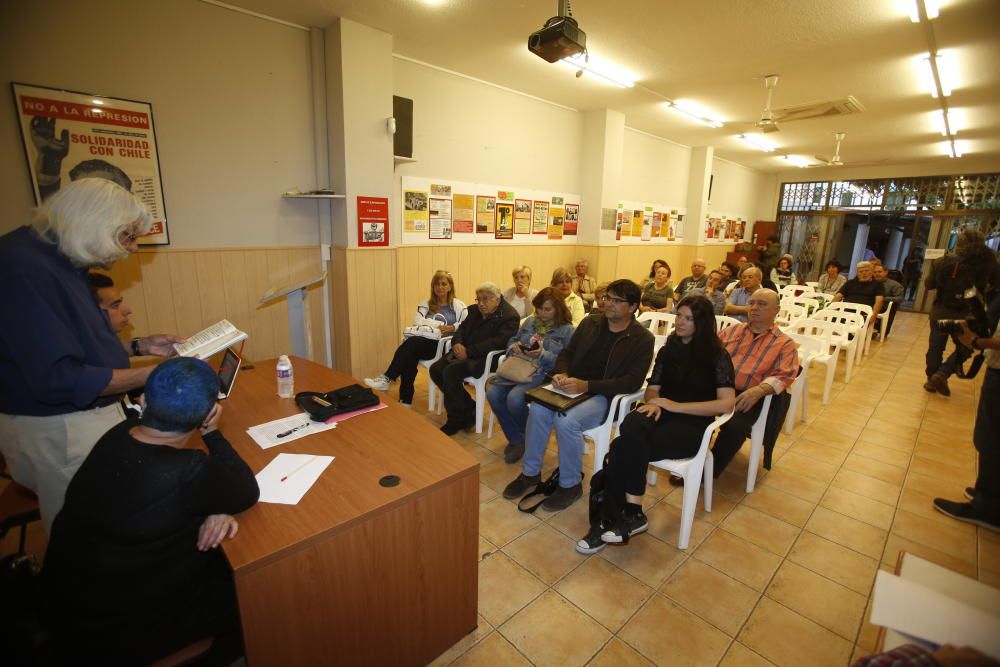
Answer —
(652, 272)
(542, 337)
(562, 283)
(443, 312)
(132, 572)
(984, 506)
(691, 384)
(712, 291)
(741, 263)
(110, 300)
(728, 271)
(863, 289)
(658, 295)
(520, 295)
(599, 293)
(608, 354)
(766, 362)
(697, 278)
(487, 327)
(583, 285)
(893, 294)
(737, 305)
(831, 281)
(782, 275)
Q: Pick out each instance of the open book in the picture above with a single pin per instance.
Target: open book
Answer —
(207, 342)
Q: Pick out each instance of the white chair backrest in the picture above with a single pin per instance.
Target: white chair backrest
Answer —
(659, 342)
(853, 321)
(796, 290)
(813, 283)
(830, 333)
(656, 320)
(789, 314)
(809, 346)
(862, 308)
(811, 304)
(724, 321)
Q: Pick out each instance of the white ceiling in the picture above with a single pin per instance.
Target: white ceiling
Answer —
(714, 52)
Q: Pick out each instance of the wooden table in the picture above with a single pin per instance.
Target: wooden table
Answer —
(356, 573)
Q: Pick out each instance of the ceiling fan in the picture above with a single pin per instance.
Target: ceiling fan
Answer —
(770, 118)
(835, 160)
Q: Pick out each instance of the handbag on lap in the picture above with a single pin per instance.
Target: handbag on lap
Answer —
(518, 368)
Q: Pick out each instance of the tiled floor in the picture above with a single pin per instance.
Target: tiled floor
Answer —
(783, 575)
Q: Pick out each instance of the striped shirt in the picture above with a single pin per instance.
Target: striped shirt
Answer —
(770, 357)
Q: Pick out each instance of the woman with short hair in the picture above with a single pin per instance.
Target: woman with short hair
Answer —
(658, 294)
(583, 285)
(439, 316)
(541, 338)
(562, 283)
(782, 275)
(520, 295)
(831, 281)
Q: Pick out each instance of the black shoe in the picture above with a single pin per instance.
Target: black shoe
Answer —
(676, 481)
(563, 498)
(930, 387)
(521, 485)
(451, 428)
(636, 523)
(591, 543)
(940, 382)
(970, 492)
(470, 423)
(513, 452)
(968, 513)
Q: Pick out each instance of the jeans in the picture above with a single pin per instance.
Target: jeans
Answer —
(936, 344)
(510, 408)
(404, 363)
(986, 437)
(569, 437)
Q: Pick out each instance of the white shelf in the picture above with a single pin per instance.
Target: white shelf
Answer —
(305, 196)
(399, 159)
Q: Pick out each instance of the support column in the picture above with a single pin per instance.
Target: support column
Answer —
(600, 176)
(697, 194)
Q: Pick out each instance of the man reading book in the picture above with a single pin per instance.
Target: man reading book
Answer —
(609, 354)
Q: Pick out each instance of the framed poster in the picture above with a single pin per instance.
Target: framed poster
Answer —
(540, 222)
(415, 214)
(463, 214)
(69, 135)
(572, 219)
(505, 221)
(440, 218)
(373, 221)
(522, 216)
(485, 214)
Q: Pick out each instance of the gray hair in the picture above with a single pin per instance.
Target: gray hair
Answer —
(864, 265)
(582, 261)
(521, 269)
(489, 288)
(86, 219)
(752, 269)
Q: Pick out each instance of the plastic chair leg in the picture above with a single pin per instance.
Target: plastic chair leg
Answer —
(650, 476)
(431, 394)
(707, 475)
(692, 481)
(831, 368)
(480, 407)
(756, 448)
(489, 429)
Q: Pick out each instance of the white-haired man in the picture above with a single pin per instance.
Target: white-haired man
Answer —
(863, 289)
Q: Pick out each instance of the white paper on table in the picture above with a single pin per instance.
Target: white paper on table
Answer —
(300, 472)
(301, 425)
(913, 609)
(561, 392)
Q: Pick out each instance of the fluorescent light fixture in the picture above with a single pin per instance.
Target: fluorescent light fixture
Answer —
(758, 142)
(694, 112)
(946, 70)
(956, 122)
(603, 70)
(797, 160)
(932, 7)
(97, 102)
(952, 148)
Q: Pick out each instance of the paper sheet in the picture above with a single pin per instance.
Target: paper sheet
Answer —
(561, 392)
(288, 428)
(287, 478)
(344, 416)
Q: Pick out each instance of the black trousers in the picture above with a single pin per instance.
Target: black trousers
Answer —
(986, 437)
(732, 435)
(404, 363)
(448, 373)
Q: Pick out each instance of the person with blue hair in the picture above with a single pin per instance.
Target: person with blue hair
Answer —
(132, 572)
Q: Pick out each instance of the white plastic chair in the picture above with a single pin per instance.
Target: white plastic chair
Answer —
(442, 348)
(809, 348)
(883, 319)
(796, 290)
(478, 383)
(757, 443)
(830, 335)
(813, 283)
(854, 323)
(694, 470)
(656, 320)
(813, 304)
(724, 321)
(861, 309)
(789, 314)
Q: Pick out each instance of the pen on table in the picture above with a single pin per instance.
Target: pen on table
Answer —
(304, 464)
(293, 430)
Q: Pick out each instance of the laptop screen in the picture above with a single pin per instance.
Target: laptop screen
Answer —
(227, 373)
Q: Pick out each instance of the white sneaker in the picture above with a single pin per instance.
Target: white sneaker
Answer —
(380, 383)
(406, 405)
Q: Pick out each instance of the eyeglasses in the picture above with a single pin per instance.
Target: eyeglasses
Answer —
(127, 238)
(613, 299)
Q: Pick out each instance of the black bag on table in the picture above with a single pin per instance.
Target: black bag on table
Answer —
(346, 399)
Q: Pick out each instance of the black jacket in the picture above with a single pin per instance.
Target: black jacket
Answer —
(628, 363)
(481, 335)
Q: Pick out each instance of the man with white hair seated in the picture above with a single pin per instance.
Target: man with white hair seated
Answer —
(698, 278)
(863, 289)
(488, 327)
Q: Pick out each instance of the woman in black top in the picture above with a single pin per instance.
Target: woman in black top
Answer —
(691, 384)
(131, 572)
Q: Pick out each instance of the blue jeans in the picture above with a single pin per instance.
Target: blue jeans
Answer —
(569, 437)
(510, 408)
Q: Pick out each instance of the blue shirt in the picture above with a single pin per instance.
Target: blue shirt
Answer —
(739, 297)
(57, 350)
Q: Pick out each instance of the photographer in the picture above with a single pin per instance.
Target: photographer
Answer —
(984, 508)
(963, 281)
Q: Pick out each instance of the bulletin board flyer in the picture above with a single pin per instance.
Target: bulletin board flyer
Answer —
(69, 135)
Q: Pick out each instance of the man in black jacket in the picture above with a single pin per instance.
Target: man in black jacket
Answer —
(610, 353)
(488, 327)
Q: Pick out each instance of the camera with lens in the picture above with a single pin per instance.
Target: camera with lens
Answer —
(951, 327)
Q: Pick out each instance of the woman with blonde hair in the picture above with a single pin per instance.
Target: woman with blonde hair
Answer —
(439, 316)
(520, 295)
(562, 283)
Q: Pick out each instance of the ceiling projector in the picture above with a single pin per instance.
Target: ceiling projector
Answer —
(559, 38)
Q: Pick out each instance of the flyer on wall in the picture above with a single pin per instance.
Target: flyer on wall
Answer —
(69, 135)
(440, 218)
(505, 221)
(556, 214)
(572, 219)
(463, 214)
(373, 221)
(540, 223)
(522, 216)
(485, 214)
(415, 211)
